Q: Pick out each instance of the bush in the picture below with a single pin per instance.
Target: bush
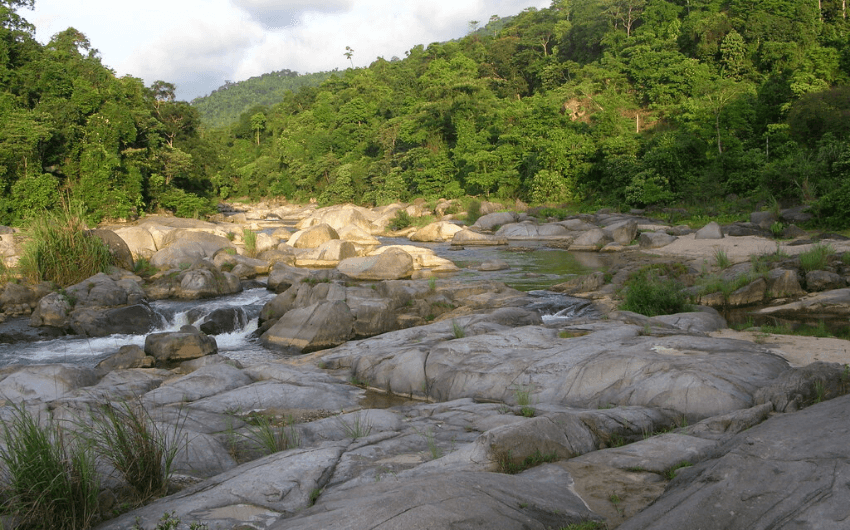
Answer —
(651, 294)
(816, 258)
(401, 220)
(50, 480)
(60, 249)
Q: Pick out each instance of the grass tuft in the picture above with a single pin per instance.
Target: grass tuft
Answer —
(651, 294)
(58, 248)
(816, 258)
(50, 480)
(721, 259)
(273, 438)
(505, 462)
(249, 238)
(359, 427)
(143, 452)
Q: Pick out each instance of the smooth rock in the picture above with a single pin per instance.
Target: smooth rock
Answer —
(648, 240)
(817, 281)
(469, 238)
(179, 346)
(393, 264)
(592, 240)
(316, 327)
(710, 231)
(312, 237)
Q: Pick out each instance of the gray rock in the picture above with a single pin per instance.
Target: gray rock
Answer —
(782, 283)
(763, 219)
(836, 302)
(181, 253)
(740, 489)
(801, 387)
(121, 255)
(313, 237)
(797, 214)
(52, 310)
(655, 239)
(710, 231)
(201, 383)
(817, 281)
(315, 327)
(581, 284)
(45, 382)
(703, 320)
(540, 498)
(130, 356)
(491, 220)
(655, 454)
(752, 293)
(592, 240)
(129, 320)
(469, 238)
(622, 232)
(179, 346)
(393, 264)
(98, 291)
(224, 320)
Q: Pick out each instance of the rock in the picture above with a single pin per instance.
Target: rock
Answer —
(763, 219)
(494, 265)
(45, 383)
(120, 251)
(801, 387)
(392, 264)
(469, 238)
(836, 302)
(581, 284)
(808, 449)
(139, 241)
(313, 237)
(130, 356)
(209, 241)
(358, 236)
(98, 291)
(622, 232)
(745, 229)
(524, 230)
(224, 320)
(339, 216)
(282, 254)
(655, 454)
(16, 294)
(782, 283)
(328, 254)
(438, 231)
(319, 326)
(204, 280)
(52, 310)
(539, 498)
(592, 240)
(423, 258)
(703, 320)
(130, 320)
(649, 240)
(178, 254)
(203, 382)
(710, 231)
(577, 225)
(823, 281)
(793, 232)
(179, 346)
(749, 294)
(797, 215)
(491, 220)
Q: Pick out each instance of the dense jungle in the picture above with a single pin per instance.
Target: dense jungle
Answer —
(617, 103)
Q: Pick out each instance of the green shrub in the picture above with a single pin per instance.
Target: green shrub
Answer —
(473, 211)
(50, 479)
(249, 238)
(59, 249)
(401, 220)
(651, 294)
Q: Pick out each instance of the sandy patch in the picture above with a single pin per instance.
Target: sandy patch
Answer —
(738, 249)
(799, 351)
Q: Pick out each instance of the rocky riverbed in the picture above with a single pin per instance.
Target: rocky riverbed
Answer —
(410, 402)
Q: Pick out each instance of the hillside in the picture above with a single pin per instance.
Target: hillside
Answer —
(224, 105)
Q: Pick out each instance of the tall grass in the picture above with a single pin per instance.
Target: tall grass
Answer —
(51, 480)
(273, 438)
(816, 258)
(59, 249)
(143, 452)
(249, 237)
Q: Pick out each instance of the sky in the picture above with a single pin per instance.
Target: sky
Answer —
(199, 44)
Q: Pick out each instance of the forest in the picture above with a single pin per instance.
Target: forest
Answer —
(594, 103)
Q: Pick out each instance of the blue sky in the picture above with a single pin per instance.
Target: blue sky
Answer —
(198, 44)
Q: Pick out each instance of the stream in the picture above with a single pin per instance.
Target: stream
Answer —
(533, 268)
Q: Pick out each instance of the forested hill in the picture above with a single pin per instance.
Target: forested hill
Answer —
(224, 105)
(614, 102)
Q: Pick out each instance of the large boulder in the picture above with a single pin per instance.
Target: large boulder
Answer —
(328, 254)
(592, 240)
(648, 240)
(340, 216)
(469, 238)
(139, 241)
(710, 231)
(492, 220)
(181, 253)
(45, 382)
(118, 248)
(97, 291)
(622, 232)
(788, 472)
(439, 231)
(313, 237)
(183, 345)
(393, 264)
(129, 320)
(316, 327)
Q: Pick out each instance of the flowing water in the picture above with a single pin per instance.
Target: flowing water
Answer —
(533, 268)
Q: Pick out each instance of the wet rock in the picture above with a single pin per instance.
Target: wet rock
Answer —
(224, 320)
(130, 320)
(494, 265)
(130, 356)
(179, 346)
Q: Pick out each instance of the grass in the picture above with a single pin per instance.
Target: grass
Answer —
(522, 396)
(273, 438)
(649, 293)
(819, 330)
(816, 258)
(586, 525)
(776, 229)
(58, 248)
(670, 474)
(401, 220)
(721, 259)
(473, 211)
(169, 521)
(142, 267)
(431, 442)
(506, 464)
(359, 427)
(458, 330)
(249, 238)
(432, 284)
(50, 480)
(128, 438)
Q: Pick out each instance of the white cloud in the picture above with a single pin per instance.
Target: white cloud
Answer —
(279, 14)
(198, 44)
